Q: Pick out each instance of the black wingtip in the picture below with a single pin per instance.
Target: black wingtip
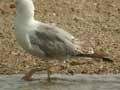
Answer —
(108, 59)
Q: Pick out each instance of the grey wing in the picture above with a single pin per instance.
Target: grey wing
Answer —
(54, 42)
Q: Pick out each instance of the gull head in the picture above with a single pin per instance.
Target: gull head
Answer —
(24, 9)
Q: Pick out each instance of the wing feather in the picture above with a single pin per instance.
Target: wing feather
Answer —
(54, 41)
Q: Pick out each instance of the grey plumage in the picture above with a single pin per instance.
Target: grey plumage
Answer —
(54, 42)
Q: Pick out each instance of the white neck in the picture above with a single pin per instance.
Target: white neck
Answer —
(24, 11)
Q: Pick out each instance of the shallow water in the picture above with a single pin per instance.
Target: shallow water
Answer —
(61, 82)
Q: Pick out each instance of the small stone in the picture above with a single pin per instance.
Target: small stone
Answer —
(54, 14)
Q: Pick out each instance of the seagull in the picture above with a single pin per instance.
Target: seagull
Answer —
(44, 40)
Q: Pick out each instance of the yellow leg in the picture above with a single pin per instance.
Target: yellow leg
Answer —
(28, 76)
(48, 71)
